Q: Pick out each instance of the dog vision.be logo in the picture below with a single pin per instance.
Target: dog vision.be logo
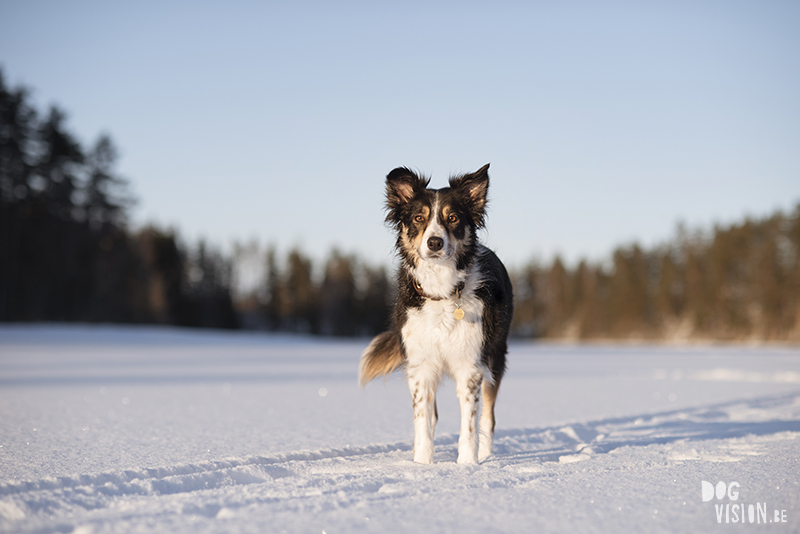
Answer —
(738, 512)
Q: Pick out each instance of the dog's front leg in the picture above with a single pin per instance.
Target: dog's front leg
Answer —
(489, 395)
(423, 395)
(468, 389)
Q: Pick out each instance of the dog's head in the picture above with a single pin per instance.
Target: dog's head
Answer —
(436, 225)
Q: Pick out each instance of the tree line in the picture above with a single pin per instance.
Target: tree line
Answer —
(68, 254)
(348, 298)
(736, 282)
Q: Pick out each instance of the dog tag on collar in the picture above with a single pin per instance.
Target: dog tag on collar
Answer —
(458, 313)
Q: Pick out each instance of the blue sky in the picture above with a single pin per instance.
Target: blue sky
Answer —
(278, 121)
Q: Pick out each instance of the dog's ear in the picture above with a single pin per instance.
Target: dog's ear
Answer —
(401, 186)
(473, 189)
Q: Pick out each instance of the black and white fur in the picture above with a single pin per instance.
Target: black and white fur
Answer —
(441, 260)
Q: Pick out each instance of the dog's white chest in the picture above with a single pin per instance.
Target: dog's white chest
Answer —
(433, 335)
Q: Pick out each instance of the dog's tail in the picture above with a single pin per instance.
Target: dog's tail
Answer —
(384, 355)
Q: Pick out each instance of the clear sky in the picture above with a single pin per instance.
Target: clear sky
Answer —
(604, 122)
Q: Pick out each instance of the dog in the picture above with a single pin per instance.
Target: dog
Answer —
(453, 311)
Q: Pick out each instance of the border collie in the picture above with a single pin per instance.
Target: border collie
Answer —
(453, 310)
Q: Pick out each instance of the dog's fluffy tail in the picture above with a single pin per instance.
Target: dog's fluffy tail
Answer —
(384, 355)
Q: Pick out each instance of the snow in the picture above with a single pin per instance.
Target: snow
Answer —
(144, 429)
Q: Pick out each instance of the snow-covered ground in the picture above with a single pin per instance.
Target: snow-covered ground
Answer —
(124, 429)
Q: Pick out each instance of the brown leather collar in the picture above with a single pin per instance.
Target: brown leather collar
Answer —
(418, 288)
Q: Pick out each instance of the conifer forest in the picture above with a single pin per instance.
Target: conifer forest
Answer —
(70, 254)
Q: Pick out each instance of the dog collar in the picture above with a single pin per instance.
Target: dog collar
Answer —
(421, 292)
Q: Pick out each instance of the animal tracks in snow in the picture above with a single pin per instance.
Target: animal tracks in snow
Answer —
(351, 478)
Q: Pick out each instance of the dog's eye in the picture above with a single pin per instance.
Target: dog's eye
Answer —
(452, 218)
(419, 218)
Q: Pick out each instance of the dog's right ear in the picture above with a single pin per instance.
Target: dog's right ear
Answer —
(401, 186)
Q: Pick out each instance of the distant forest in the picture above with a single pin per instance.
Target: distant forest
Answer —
(737, 282)
(68, 254)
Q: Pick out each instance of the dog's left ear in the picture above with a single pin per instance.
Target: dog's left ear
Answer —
(473, 188)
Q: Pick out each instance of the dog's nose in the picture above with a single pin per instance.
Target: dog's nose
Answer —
(435, 244)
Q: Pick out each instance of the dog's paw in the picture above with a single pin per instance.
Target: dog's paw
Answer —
(467, 459)
(423, 457)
